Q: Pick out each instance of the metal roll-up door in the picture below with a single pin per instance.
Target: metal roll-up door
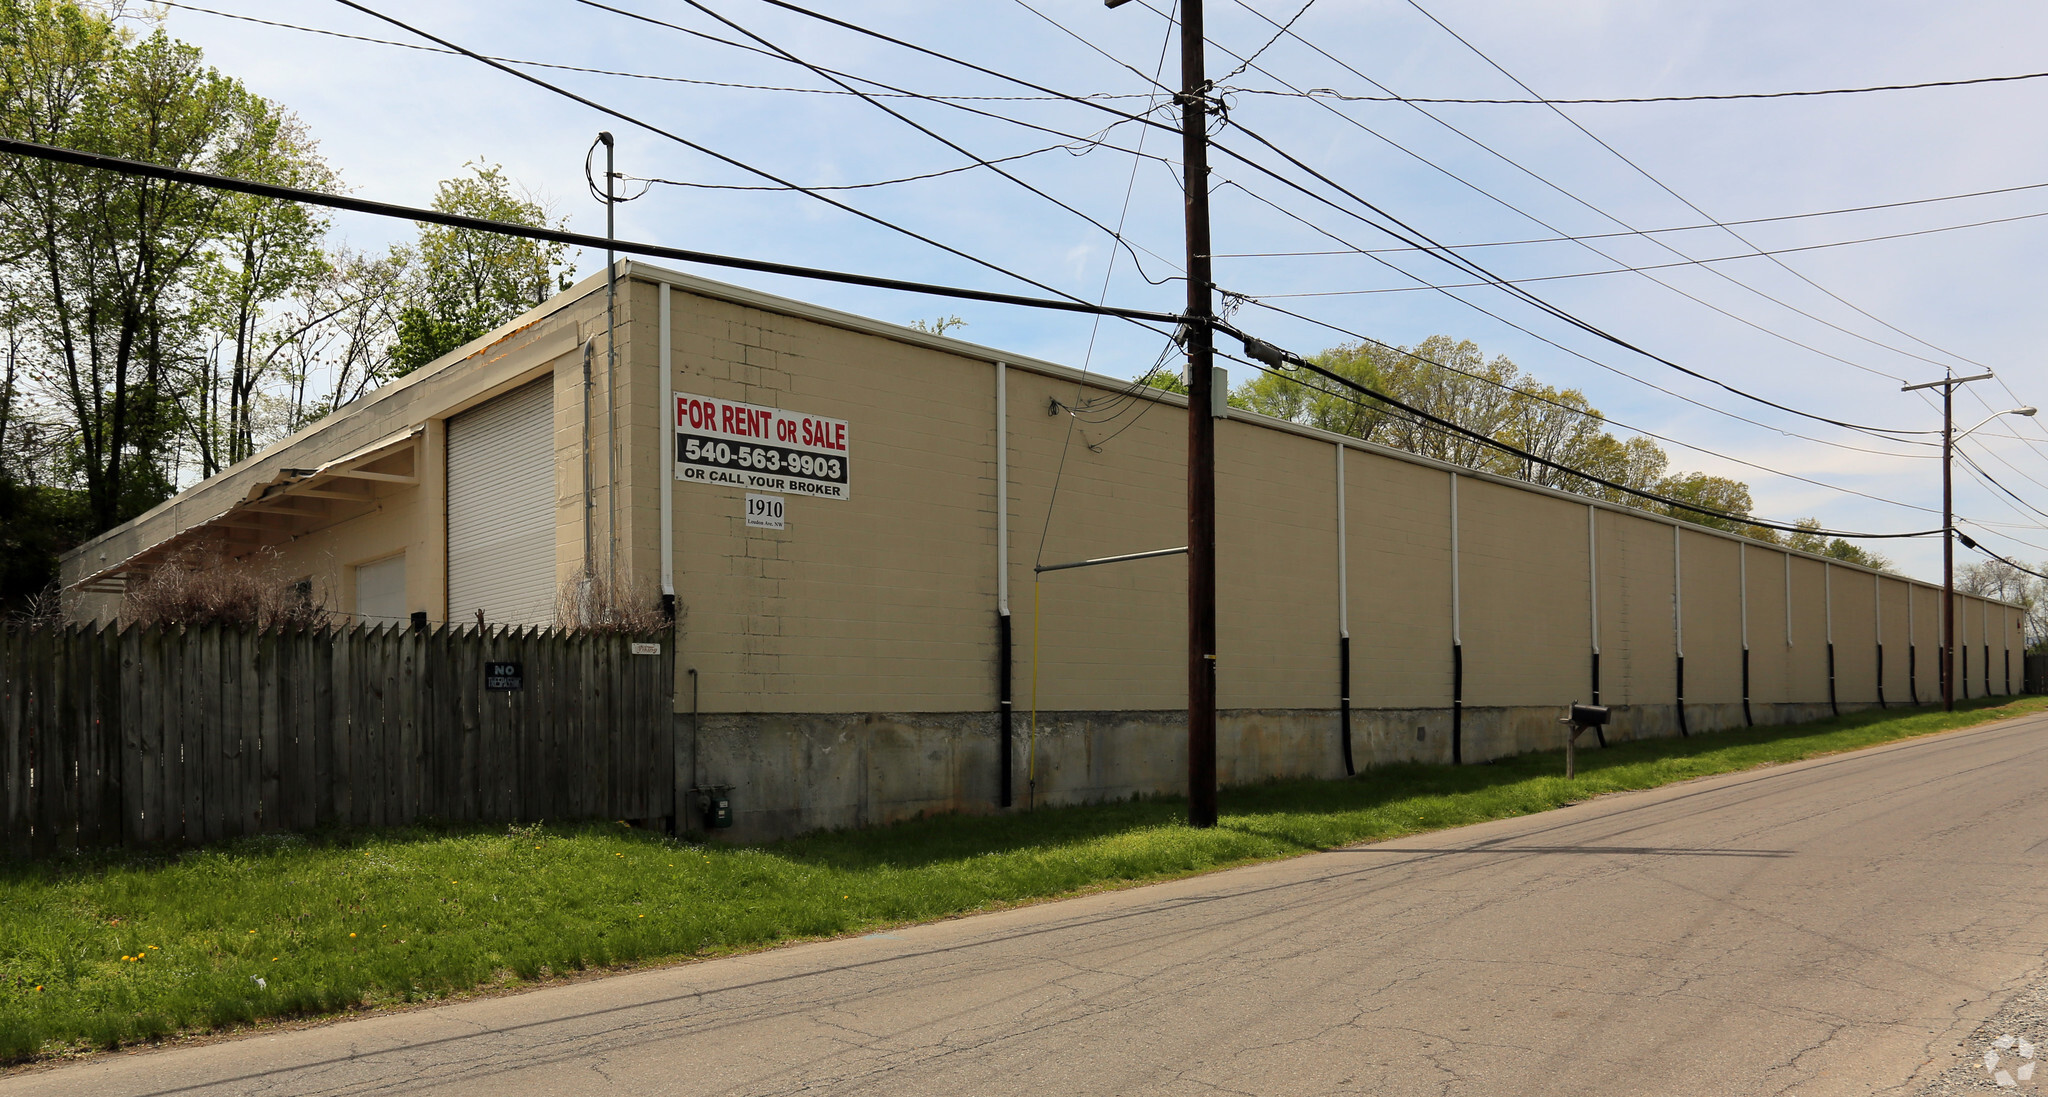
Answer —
(501, 509)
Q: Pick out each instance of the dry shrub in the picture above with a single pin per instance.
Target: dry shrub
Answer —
(43, 609)
(199, 591)
(594, 603)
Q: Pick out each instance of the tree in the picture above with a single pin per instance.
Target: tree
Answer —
(100, 264)
(264, 252)
(468, 282)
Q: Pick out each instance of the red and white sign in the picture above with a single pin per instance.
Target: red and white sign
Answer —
(766, 449)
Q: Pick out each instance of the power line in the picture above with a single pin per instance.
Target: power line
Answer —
(79, 158)
(1539, 337)
(978, 160)
(1668, 266)
(1437, 251)
(1509, 161)
(1268, 355)
(859, 186)
(643, 75)
(1666, 188)
(1247, 62)
(1018, 80)
(1329, 93)
(1646, 232)
(721, 157)
(1411, 235)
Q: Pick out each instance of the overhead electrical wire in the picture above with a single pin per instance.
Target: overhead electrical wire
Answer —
(1668, 266)
(1275, 360)
(1414, 237)
(99, 161)
(976, 158)
(1641, 232)
(888, 90)
(1331, 93)
(641, 75)
(1437, 249)
(1666, 188)
(859, 186)
(1434, 249)
(1967, 543)
(1094, 329)
(707, 151)
(1509, 161)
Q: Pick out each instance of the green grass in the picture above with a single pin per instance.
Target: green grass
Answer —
(350, 920)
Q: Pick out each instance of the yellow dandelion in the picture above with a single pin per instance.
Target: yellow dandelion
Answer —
(252, 931)
(273, 959)
(39, 988)
(152, 946)
(351, 935)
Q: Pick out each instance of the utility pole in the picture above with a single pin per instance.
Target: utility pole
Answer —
(1201, 347)
(1947, 385)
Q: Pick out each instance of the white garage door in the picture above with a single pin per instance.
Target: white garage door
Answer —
(501, 509)
(380, 591)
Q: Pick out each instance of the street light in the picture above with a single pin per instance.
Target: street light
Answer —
(1947, 385)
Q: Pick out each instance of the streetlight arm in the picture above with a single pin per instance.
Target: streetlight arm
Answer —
(2009, 411)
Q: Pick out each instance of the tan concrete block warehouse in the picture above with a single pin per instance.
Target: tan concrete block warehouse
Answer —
(846, 665)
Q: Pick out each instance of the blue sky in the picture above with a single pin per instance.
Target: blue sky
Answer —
(1835, 333)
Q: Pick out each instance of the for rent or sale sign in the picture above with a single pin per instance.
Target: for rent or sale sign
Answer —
(763, 449)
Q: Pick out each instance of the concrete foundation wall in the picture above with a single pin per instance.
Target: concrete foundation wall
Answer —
(791, 773)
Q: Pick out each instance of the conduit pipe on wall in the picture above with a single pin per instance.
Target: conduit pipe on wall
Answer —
(1457, 642)
(1912, 648)
(664, 463)
(1742, 573)
(1005, 701)
(1593, 592)
(1877, 617)
(1827, 575)
(1343, 624)
(589, 496)
(1678, 621)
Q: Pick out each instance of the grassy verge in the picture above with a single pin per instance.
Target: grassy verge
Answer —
(103, 950)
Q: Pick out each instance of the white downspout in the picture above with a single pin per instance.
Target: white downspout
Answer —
(665, 440)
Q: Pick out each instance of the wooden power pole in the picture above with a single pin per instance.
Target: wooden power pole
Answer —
(1201, 348)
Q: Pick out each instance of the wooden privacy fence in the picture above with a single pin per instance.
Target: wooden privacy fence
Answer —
(179, 737)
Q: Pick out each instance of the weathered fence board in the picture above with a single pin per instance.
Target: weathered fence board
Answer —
(153, 737)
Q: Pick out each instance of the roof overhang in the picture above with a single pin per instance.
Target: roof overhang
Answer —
(292, 502)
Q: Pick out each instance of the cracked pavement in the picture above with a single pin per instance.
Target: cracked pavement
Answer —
(1849, 925)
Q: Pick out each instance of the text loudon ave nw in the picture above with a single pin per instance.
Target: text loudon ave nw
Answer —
(763, 449)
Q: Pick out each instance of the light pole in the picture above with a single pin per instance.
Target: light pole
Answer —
(1949, 437)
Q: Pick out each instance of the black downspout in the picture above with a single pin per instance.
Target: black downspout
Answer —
(1913, 672)
(1832, 706)
(1987, 670)
(1598, 732)
(1747, 720)
(1004, 708)
(1457, 704)
(1962, 686)
(1344, 700)
(1683, 731)
(1880, 677)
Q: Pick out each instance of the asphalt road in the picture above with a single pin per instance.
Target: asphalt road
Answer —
(1847, 925)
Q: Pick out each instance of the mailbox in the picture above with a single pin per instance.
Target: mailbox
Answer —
(1577, 719)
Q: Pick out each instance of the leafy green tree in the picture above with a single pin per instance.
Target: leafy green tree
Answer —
(264, 252)
(468, 282)
(100, 265)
